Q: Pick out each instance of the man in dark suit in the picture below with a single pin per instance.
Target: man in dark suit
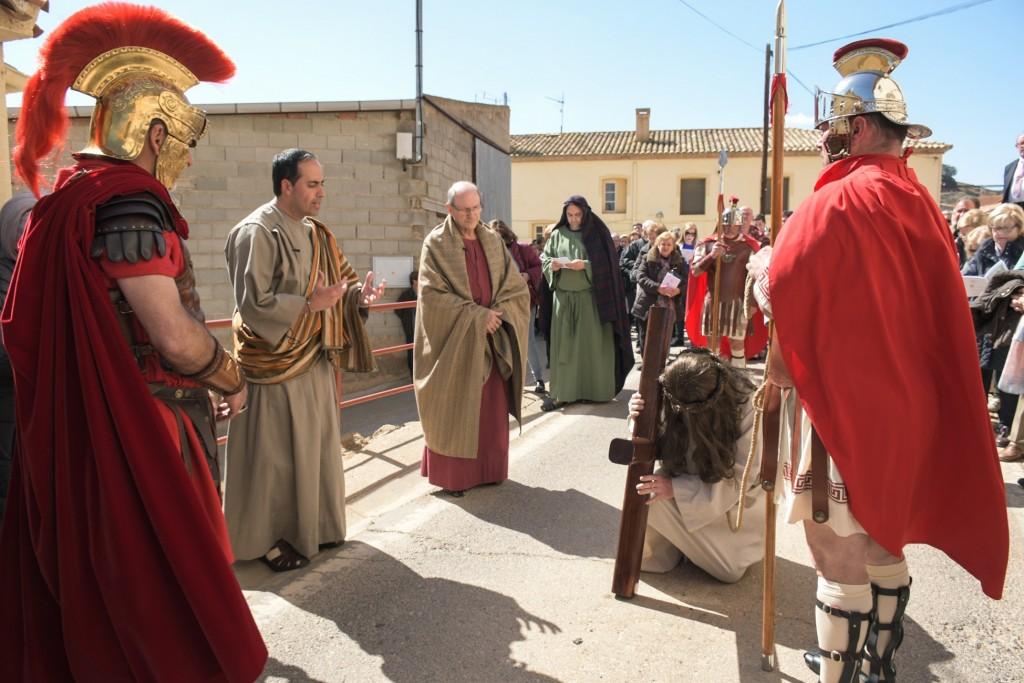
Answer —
(1013, 177)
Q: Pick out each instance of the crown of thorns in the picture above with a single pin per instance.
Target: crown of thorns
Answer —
(702, 404)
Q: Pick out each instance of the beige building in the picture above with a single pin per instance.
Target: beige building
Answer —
(630, 176)
(378, 206)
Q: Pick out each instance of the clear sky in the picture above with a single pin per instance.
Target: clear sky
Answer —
(609, 58)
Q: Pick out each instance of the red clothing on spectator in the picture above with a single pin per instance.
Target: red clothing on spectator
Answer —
(528, 260)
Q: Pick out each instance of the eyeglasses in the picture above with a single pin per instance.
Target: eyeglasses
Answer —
(690, 234)
(1005, 228)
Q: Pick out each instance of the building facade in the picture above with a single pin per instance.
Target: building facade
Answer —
(671, 175)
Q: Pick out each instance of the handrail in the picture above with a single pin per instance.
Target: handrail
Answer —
(221, 323)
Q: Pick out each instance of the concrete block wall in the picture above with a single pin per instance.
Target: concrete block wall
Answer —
(374, 205)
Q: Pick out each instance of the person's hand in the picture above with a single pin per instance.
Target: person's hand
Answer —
(324, 297)
(230, 406)
(493, 321)
(636, 405)
(668, 291)
(655, 487)
(556, 265)
(717, 249)
(525, 276)
(577, 264)
(371, 293)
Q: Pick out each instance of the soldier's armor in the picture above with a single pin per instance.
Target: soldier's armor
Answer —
(732, 316)
(130, 228)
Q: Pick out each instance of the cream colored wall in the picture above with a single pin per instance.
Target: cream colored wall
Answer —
(652, 185)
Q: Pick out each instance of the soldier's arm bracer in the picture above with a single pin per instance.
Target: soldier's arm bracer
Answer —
(130, 228)
(221, 374)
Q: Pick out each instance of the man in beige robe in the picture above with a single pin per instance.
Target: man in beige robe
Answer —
(298, 318)
(470, 347)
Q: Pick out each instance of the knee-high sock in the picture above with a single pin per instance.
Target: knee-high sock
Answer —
(834, 631)
(887, 576)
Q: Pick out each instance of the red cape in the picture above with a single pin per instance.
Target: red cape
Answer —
(874, 327)
(696, 290)
(110, 567)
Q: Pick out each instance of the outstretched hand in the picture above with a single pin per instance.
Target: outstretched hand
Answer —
(324, 297)
(371, 293)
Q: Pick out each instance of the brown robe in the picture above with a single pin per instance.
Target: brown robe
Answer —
(453, 352)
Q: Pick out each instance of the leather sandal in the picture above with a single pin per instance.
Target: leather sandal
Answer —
(282, 557)
(852, 656)
(1011, 453)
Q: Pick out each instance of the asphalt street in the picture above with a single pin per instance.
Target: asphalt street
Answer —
(512, 582)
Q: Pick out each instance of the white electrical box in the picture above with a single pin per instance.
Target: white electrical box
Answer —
(394, 269)
(403, 146)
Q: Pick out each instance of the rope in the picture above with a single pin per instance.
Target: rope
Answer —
(758, 402)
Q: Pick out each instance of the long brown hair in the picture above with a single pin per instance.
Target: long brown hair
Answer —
(701, 414)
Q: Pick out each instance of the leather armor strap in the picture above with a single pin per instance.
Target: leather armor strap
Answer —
(819, 478)
(770, 445)
(221, 374)
(131, 227)
(196, 406)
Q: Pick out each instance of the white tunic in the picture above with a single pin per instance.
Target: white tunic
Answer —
(696, 521)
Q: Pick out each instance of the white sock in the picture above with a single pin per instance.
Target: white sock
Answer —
(833, 631)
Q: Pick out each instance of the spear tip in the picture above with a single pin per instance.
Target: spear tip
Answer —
(780, 19)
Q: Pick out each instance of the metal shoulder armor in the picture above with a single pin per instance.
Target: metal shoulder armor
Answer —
(130, 227)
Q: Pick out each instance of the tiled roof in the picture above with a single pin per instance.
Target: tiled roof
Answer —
(692, 142)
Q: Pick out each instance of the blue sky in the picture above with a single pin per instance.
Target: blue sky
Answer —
(609, 58)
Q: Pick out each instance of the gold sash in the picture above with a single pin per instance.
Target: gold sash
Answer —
(338, 330)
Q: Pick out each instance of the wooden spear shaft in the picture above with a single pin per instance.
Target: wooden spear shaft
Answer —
(778, 148)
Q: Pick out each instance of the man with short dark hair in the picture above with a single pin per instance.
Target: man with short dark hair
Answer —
(299, 310)
(1013, 176)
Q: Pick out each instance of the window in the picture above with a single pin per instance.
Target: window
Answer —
(785, 193)
(538, 229)
(613, 195)
(692, 197)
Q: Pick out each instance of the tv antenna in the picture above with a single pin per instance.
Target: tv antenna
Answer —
(561, 111)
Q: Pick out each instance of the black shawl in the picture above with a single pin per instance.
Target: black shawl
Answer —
(609, 292)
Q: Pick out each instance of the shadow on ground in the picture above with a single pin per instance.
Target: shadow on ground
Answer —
(737, 608)
(570, 522)
(423, 628)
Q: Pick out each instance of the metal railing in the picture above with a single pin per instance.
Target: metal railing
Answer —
(383, 351)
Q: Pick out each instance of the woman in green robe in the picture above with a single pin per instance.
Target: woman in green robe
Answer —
(583, 347)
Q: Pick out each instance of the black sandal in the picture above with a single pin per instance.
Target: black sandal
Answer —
(549, 404)
(282, 557)
(852, 656)
(880, 665)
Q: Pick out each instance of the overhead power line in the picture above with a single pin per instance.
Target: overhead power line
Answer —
(922, 17)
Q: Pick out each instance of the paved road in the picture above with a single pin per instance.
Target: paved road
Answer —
(512, 583)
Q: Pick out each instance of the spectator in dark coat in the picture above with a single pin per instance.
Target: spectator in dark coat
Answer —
(13, 217)
(659, 261)
(408, 315)
(1005, 245)
(529, 267)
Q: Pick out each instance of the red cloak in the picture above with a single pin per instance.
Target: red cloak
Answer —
(111, 566)
(696, 290)
(873, 324)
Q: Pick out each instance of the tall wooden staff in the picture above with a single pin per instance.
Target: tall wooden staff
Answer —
(715, 343)
(769, 460)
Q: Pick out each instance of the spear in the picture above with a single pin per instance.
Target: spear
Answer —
(714, 344)
(770, 461)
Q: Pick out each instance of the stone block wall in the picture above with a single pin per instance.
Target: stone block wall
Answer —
(375, 205)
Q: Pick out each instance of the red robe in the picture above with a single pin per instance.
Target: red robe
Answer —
(112, 564)
(696, 291)
(873, 325)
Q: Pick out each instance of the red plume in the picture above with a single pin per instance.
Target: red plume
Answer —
(888, 44)
(84, 36)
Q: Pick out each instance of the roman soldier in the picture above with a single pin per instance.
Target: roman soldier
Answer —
(114, 557)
